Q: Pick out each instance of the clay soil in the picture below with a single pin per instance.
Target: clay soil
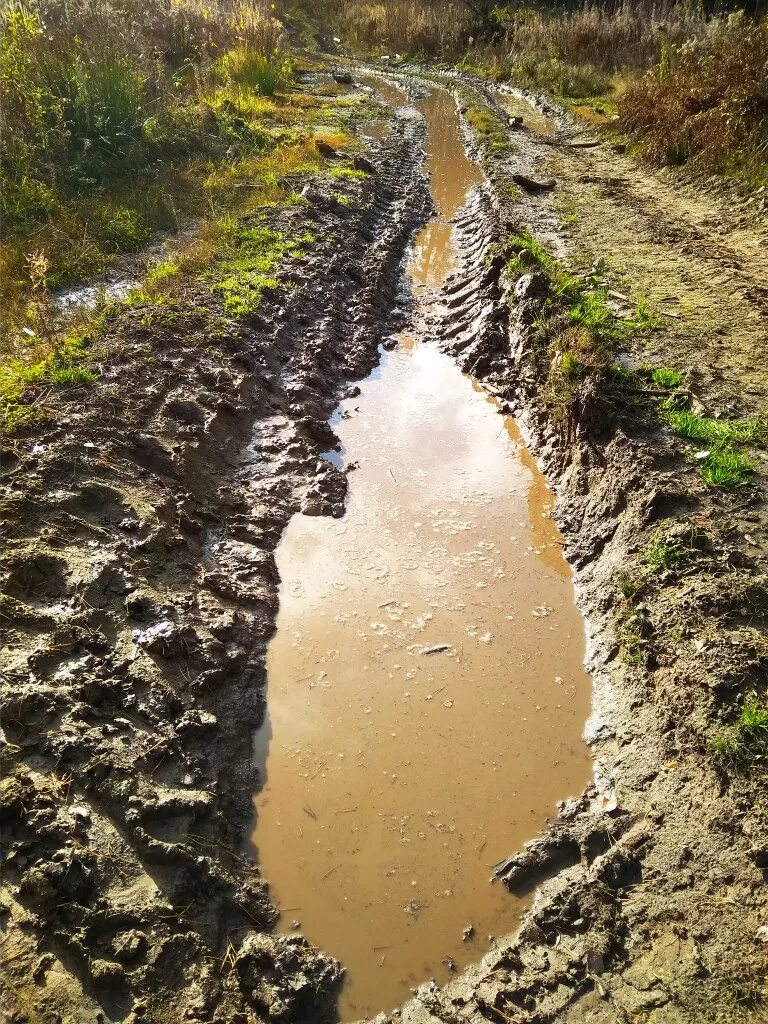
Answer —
(140, 520)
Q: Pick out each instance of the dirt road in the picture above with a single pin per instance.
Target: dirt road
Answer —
(140, 594)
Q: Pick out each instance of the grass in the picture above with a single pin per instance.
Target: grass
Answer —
(249, 258)
(488, 128)
(662, 376)
(724, 465)
(661, 555)
(727, 469)
(742, 748)
(62, 368)
(703, 428)
(576, 327)
(110, 135)
(706, 105)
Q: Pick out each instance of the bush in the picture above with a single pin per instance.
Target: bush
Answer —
(707, 102)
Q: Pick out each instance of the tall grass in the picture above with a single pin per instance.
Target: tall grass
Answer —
(406, 26)
(707, 103)
(109, 108)
(605, 37)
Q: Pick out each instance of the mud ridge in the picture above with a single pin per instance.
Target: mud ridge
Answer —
(140, 578)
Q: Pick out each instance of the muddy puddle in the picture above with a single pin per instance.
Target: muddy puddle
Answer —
(517, 106)
(426, 695)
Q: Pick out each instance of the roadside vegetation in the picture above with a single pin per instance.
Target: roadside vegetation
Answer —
(682, 82)
(579, 333)
(123, 123)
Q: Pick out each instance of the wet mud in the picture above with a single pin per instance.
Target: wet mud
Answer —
(426, 695)
(141, 592)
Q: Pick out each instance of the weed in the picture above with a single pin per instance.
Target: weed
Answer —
(488, 127)
(705, 103)
(724, 467)
(662, 555)
(246, 67)
(632, 649)
(558, 76)
(70, 376)
(161, 273)
(743, 746)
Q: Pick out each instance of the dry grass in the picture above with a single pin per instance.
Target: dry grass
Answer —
(707, 102)
(406, 26)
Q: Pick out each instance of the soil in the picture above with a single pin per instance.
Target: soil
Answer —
(140, 592)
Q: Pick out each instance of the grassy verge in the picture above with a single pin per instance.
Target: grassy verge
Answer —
(112, 135)
(577, 331)
(486, 126)
(233, 252)
(578, 334)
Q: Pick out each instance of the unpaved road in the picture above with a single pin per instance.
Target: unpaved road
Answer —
(141, 592)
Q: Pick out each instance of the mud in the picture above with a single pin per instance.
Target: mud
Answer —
(141, 588)
(651, 891)
(141, 592)
(426, 695)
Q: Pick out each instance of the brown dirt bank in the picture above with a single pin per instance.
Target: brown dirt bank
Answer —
(656, 889)
(140, 592)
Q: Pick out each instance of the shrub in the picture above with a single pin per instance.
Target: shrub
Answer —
(708, 103)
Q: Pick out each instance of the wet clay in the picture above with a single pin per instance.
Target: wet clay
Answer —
(426, 694)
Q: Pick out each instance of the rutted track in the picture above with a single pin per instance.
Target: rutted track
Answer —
(142, 587)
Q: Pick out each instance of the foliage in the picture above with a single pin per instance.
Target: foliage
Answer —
(743, 746)
(708, 103)
(246, 67)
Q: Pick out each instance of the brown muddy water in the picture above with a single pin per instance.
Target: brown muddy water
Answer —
(426, 692)
(517, 106)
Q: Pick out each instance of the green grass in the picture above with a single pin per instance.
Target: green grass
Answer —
(578, 327)
(661, 555)
(61, 369)
(488, 128)
(349, 173)
(250, 257)
(244, 66)
(724, 465)
(703, 428)
(558, 76)
(743, 746)
(663, 377)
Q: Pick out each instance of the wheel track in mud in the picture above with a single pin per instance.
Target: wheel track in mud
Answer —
(610, 936)
(141, 578)
(575, 956)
